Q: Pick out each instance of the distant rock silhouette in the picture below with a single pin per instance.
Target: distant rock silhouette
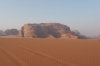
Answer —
(47, 30)
(1, 32)
(10, 32)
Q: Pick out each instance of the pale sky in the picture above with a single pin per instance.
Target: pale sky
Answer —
(81, 15)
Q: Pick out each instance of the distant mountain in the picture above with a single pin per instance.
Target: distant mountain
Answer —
(10, 32)
(48, 30)
(1, 31)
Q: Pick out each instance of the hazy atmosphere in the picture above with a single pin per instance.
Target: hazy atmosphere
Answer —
(50, 33)
(83, 16)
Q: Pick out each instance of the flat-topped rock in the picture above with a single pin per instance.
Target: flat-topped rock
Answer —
(47, 30)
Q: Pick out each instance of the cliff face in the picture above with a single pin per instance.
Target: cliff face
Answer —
(49, 30)
(10, 32)
(46, 30)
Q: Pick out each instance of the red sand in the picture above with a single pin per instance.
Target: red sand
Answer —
(49, 52)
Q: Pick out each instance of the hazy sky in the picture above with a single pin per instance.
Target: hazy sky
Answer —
(81, 15)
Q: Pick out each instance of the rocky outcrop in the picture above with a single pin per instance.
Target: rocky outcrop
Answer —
(10, 32)
(44, 30)
(1, 32)
(78, 34)
(82, 37)
(75, 32)
(47, 30)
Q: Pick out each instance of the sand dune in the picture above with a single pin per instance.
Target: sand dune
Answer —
(49, 52)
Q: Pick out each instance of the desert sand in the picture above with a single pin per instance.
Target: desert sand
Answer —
(49, 52)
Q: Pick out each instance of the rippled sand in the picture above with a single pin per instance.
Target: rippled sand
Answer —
(49, 52)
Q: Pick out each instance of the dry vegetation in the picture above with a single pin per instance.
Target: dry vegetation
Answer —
(49, 52)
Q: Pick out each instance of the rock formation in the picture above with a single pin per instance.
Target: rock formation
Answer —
(1, 32)
(75, 32)
(78, 34)
(44, 30)
(47, 30)
(10, 32)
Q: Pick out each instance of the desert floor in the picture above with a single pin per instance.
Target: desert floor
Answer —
(49, 52)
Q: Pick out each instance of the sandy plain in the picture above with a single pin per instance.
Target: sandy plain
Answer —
(49, 52)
